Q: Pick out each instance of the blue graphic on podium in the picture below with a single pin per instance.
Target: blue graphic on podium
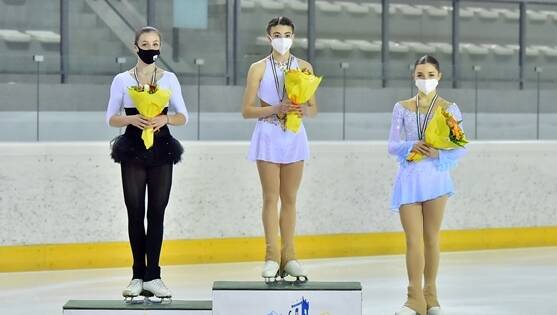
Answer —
(301, 308)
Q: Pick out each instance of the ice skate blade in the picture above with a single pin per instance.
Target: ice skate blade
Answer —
(150, 298)
(273, 279)
(131, 299)
(270, 280)
(299, 279)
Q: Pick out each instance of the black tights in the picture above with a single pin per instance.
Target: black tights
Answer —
(136, 177)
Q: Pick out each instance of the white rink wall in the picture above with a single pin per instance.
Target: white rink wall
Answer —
(71, 192)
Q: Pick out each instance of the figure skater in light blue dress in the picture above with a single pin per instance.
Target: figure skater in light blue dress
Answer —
(421, 189)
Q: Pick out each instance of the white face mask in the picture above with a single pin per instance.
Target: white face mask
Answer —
(281, 45)
(427, 86)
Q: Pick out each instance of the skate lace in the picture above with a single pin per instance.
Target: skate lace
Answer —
(134, 283)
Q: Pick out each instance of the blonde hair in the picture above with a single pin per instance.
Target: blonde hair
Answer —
(144, 30)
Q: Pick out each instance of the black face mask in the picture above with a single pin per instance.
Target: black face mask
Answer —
(147, 55)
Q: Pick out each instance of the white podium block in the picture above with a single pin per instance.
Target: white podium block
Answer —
(285, 298)
(177, 307)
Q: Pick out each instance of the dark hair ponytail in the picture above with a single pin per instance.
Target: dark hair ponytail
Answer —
(280, 20)
(427, 59)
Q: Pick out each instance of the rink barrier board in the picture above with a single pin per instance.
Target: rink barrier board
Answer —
(177, 307)
(179, 252)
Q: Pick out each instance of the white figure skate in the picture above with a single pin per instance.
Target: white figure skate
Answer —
(132, 291)
(405, 310)
(294, 269)
(270, 271)
(156, 288)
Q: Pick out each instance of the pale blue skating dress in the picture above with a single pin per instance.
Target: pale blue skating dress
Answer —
(424, 180)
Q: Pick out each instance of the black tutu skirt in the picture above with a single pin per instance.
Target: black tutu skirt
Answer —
(129, 147)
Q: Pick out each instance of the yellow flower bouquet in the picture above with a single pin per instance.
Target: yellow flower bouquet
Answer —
(150, 100)
(300, 86)
(443, 133)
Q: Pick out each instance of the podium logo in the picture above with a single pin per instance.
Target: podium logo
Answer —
(300, 308)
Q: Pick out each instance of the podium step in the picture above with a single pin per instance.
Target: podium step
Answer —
(177, 307)
(281, 298)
